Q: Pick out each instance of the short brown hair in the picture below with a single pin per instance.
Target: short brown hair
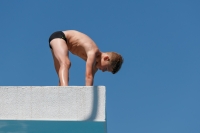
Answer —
(116, 61)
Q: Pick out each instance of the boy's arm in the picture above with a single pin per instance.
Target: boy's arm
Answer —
(90, 71)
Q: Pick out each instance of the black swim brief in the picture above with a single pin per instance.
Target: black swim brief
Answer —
(57, 34)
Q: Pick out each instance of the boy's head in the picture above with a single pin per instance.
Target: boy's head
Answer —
(110, 61)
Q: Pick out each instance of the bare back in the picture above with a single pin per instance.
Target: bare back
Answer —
(80, 44)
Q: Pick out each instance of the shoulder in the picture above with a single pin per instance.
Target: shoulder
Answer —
(94, 51)
(92, 55)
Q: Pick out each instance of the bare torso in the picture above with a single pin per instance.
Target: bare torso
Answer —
(80, 44)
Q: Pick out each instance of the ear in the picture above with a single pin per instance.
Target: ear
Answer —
(106, 58)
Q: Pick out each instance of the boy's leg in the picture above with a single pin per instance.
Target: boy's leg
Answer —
(61, 60)
(56, 65)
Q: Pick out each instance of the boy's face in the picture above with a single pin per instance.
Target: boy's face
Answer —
(105, 64)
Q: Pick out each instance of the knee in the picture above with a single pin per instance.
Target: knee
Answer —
(66, 64)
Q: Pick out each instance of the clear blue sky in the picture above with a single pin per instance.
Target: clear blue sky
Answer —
(158, 88)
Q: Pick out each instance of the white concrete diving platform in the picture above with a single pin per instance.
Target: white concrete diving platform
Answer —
(52, 109)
